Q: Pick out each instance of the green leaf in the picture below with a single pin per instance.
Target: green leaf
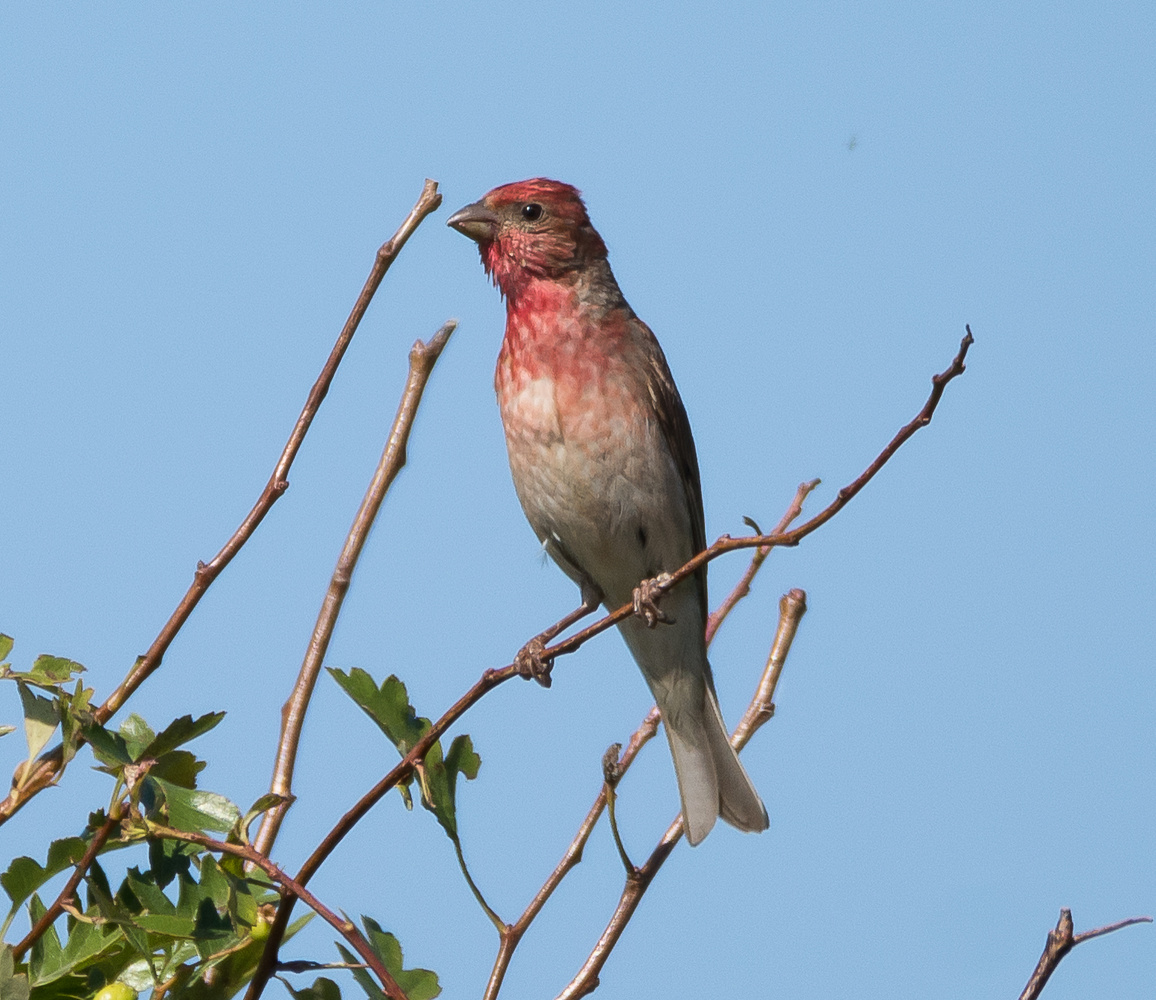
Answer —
(179, 768)
(108, 747)
(41, 717)
(6, 643)
(5, 730)
(46, 956)
(146, 895)
(137, 735)
(267, 801)
(24, 875)
(388, 706)
(168, 858)
(194, 811)
(320, 989)
(12, 986)
(51, 670)
(181, 731)
(365, 979)
(439, 780)
(418, 984)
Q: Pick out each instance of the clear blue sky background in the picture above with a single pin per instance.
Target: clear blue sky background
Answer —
(807, 206)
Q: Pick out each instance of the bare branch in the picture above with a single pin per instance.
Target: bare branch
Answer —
(786, 538)
(50, 764)
(792, 607)
(743, 587)
(422, 358)
(1060, 941)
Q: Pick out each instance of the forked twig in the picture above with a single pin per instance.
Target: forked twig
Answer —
(1060, 941)
(792, 607)
(50, 764)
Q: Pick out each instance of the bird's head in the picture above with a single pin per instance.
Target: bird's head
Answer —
(530, 229)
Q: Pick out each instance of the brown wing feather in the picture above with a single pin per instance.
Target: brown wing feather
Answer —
(675, 426)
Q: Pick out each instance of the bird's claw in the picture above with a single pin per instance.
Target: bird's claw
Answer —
(530, 663)
(646, 596)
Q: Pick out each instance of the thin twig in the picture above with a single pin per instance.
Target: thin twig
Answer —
(786, 538)
(792, 607)
(422, 358)
(1062, 940)
(743, 587)
(50, 764)
(69, 891)
(346, 928)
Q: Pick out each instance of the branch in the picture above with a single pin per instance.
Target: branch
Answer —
(345, 927)
(1062, 940)
(69, 891)
(422, 358)
(785, 538)
(792, 607)
(743, 587)
(49, 765)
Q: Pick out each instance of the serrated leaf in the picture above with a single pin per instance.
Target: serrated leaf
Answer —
(195, 811)
(439, 780)
(46, 955)
(146, 897)
(137, 735)
(180, 731)
(12, 986)
(388, 706)
(179, 767)
(24, 875)
(363, 977)
(41, 717)
(418, 984)
(52, 670)
(108, 747)
(6, 643)
(320, 989)
(168, 859)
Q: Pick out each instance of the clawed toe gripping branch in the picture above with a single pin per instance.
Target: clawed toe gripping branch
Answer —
(239, 908)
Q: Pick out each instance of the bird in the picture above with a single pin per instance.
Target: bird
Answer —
(605, 468)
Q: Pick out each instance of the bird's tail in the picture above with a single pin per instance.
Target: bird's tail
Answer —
(712, 782)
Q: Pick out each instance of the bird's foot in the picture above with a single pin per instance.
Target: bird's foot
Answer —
(646, 596)
(530, 663)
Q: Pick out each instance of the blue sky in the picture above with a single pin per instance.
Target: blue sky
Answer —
(806, 205)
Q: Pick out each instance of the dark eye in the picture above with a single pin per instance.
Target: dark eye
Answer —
(532, 212)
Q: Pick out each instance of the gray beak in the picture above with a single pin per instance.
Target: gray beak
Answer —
(475, 221)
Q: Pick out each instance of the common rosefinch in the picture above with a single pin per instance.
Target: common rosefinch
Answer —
(604, 465)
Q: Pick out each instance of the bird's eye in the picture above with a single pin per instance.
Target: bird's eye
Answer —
(532, 212)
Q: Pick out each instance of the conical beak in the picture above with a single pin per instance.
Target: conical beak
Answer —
(475, 221)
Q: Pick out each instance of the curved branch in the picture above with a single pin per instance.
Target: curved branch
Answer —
(422, 358)
(49, 765)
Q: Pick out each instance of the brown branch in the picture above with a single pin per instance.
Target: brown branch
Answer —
(792, 607)
(1062, 940)
(422, 358)
(346, 928)
(743, 587)
(69, 891)
(726, 543)
(50, 764)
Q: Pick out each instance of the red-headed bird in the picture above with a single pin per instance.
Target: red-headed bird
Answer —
(604, 464)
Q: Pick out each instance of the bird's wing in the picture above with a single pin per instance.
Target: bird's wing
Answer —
(675, 426)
